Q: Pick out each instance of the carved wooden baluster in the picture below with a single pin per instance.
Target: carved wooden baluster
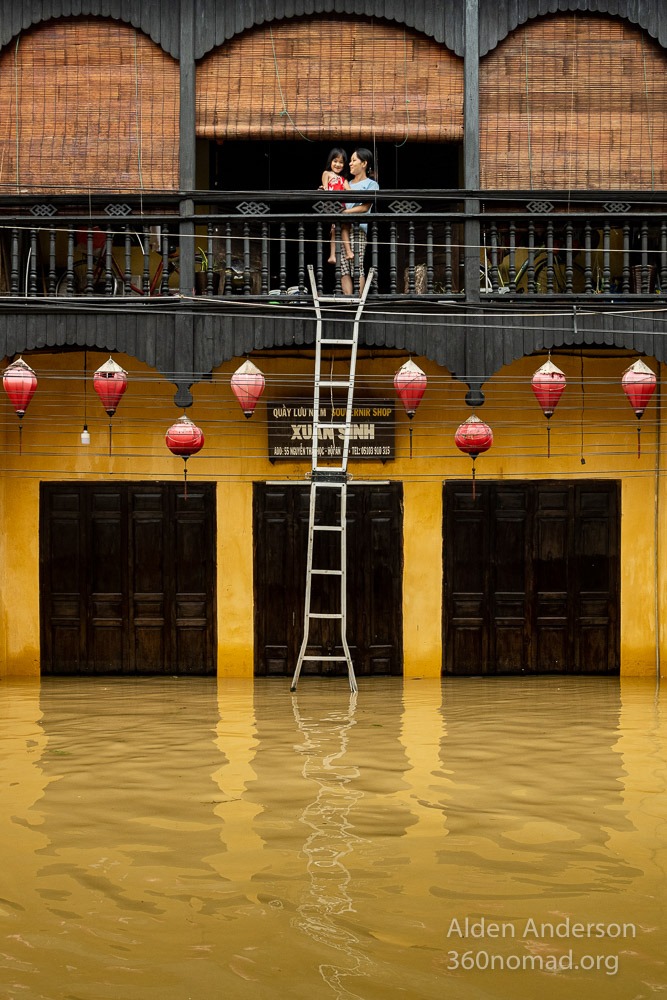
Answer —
(127, 261)
(337, 240)
(108, 264)
(645, 268)
(283, 257)
(393, 274)
(32, 275)
(302, 257)
(512, 261)
(449, 269)
(70, 262)
(146, 283)
(209, 259)
(430, 271)
(569, 258)
(228, 258)
(373, 230)
(319, 256)
(606, 257)
(494, 257)
(89, 263)
(14, 272)
(663, 257)
(265, 257)
(164, 277)
(588, 269)
(550, 258)
(626, 258)
(247, 287)
(52, 261)
(411, 256)
(530, 267)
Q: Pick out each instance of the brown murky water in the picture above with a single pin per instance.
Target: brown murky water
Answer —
(172, 839)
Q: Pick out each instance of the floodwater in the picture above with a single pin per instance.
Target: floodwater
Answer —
(178, 839)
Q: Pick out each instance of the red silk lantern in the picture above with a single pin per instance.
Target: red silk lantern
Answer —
(473, 437)
(548, 384)
(184, 439)
(410, 384)
(20, 382)
(248, 385)
(639, 384)
(110, 382)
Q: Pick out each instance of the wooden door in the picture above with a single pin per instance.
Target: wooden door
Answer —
(531, 578)
(374, 579)
(127, 578)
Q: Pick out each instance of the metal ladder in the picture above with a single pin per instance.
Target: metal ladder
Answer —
(330, 477)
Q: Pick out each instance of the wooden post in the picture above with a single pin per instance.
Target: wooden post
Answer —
(187, 149)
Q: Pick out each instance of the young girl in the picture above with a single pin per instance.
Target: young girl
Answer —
(333, 179)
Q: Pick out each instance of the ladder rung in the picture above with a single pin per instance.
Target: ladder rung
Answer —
(335, 383)
(342, 300)
(323, 614)
(327, 527)
(327, 572)
(338, 340)
(342, 659)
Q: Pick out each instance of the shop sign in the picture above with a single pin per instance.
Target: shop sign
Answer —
(371, 431)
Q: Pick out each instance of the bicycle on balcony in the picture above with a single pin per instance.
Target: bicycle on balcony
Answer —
(117, 263)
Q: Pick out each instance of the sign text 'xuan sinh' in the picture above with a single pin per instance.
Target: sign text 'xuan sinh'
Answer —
(291, 431)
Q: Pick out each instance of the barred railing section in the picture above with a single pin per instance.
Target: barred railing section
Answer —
(259, 246)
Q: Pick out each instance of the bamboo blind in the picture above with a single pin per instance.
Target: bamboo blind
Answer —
(574, 102)
(328, 78)
(87, 104)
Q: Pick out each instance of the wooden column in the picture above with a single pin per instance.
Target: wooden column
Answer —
(187, 144)
(474, 346)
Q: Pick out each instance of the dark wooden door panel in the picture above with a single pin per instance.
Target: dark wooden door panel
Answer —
(60, 580)
(531, 578)
(128, 578)
(374, 579)
(466, 558)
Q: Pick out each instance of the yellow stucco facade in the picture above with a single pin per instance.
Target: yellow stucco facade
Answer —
(593, 435)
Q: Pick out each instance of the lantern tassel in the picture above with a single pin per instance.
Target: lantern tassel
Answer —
(639, 440)
(185, 478)
(110, 432)
(410, 429)
(474, 494)
(548, 439)
(20, 436)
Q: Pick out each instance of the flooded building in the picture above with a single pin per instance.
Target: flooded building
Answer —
(160, 204)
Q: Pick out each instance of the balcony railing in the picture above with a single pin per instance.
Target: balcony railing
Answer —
(426, 245)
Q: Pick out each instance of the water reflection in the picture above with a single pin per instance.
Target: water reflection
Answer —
(174, 839)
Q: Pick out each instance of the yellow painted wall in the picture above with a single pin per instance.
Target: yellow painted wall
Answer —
(596, 425)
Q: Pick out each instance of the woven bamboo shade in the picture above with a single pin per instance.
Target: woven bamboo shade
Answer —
(574, 102)
(87, 104)
(328, 78)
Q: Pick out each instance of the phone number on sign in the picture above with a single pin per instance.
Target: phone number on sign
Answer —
(567, 961)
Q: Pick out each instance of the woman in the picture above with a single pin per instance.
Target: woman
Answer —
(361, 179)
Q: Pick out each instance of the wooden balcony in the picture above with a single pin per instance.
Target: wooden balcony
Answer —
(429, 247)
